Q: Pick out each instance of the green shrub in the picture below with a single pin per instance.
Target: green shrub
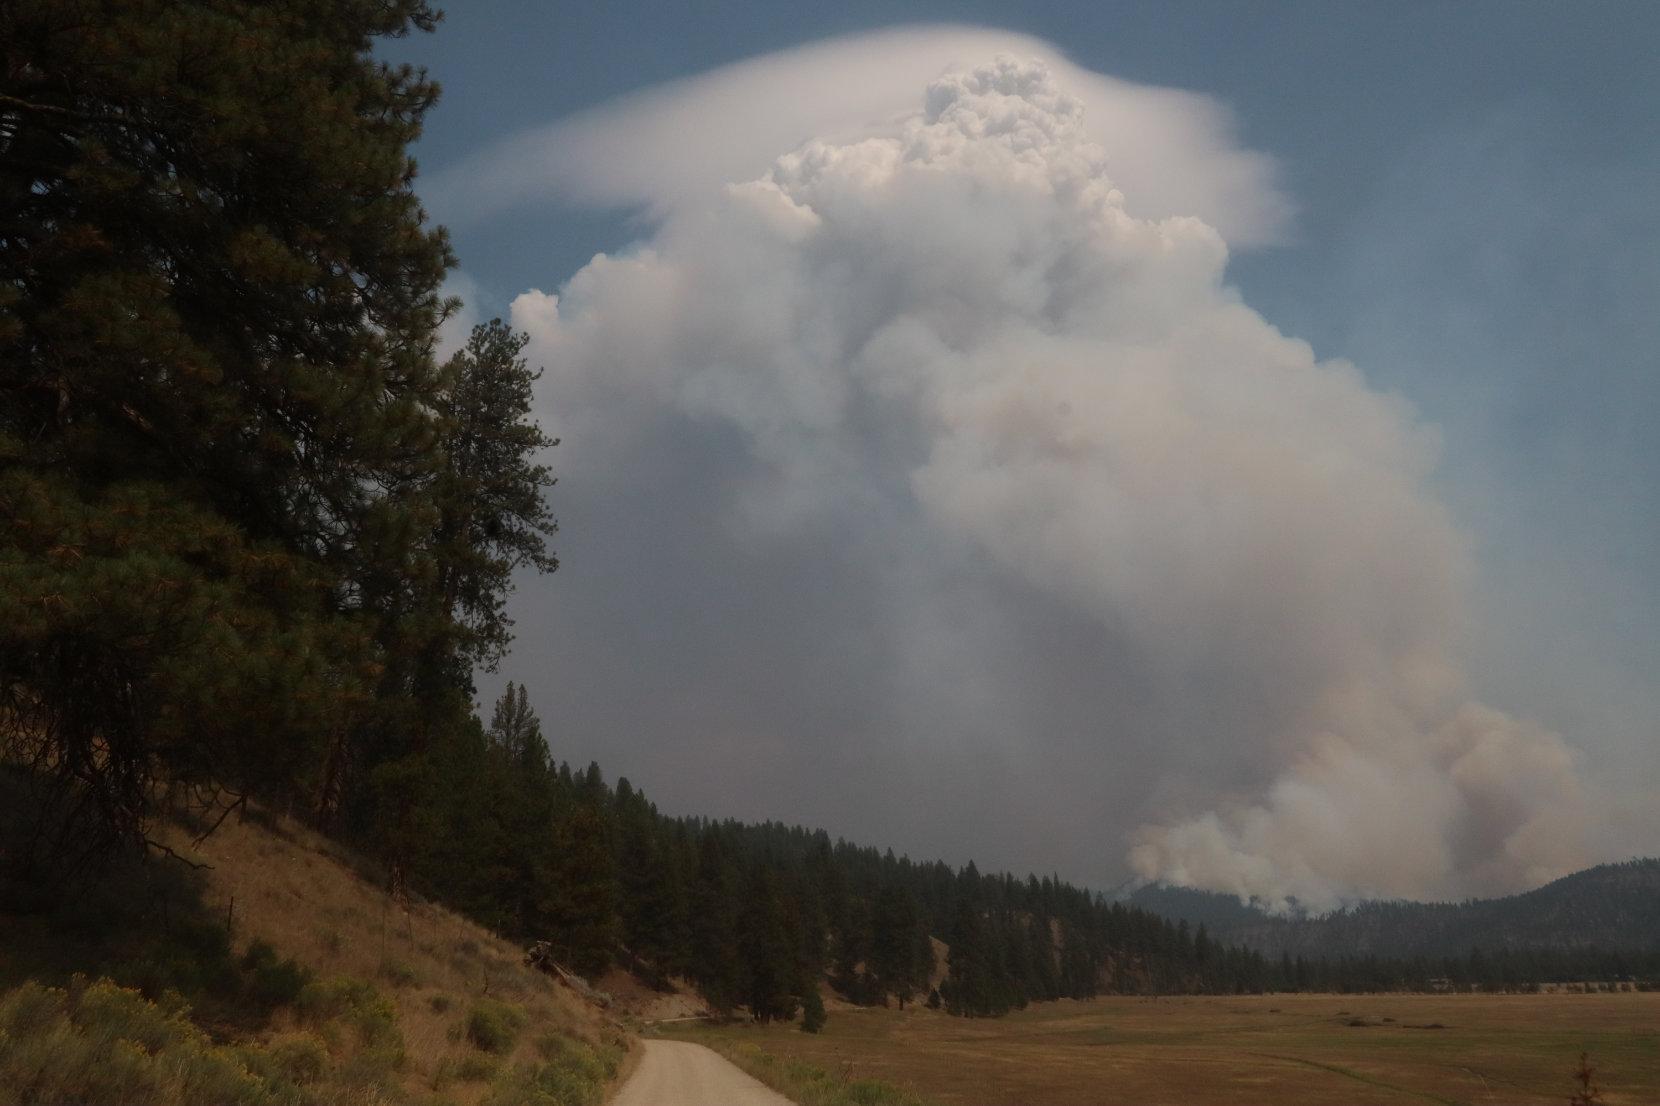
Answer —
(299, 1057)
(97, 1042)
(29, 1010)
(551, 1046)
(398, 974)
(272, 981)
(573, 1073)
(494, 1026)
(193, 958)
(107, 1013)
(439, 1003)
(813, 1016)
(874, 1092)
(376, 1049)
(599, 1062)
(545, 1085)
(357, 1004)
(610, 1057)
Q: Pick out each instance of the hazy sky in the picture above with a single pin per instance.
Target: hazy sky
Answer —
(1208, 440)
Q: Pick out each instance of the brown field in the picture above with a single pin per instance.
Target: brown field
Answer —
(1279, 1049)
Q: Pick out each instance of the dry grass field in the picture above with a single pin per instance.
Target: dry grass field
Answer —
(1279, 1049)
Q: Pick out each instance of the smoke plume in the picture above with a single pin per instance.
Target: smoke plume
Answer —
(985, 444)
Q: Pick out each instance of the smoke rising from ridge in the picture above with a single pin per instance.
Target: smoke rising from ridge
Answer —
(1017, 464)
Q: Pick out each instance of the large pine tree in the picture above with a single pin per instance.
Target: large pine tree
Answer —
(493, 514)
(218, 298)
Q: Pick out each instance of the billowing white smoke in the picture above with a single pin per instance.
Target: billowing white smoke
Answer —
(955, 321)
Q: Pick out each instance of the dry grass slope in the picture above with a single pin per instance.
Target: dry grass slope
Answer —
(446, 977)
(405, 1002)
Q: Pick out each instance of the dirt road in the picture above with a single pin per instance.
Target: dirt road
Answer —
(676, 1073)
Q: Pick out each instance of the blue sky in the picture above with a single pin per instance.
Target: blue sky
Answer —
(1476, 226)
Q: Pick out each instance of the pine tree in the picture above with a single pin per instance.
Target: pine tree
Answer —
(854, 938)
(486, 517)
(895, 924)
(770, 982)
(813, 1017)
(653, 896)
(578, 884)
(462, 862)
(493, 515)
(716, 967)
(968, 987)
(521, 804)
(218, 299)
(516, 731)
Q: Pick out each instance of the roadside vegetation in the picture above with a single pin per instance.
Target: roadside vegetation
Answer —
(95, 1041)
(98, 1042)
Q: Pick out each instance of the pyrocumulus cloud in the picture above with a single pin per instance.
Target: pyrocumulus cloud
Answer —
(960, 345)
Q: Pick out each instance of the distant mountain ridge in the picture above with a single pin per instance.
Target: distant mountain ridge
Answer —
(1608, 907)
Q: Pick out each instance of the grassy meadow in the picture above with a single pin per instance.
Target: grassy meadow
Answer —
(1357, 1050)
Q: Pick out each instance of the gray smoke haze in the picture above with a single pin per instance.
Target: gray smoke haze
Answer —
(933, 487)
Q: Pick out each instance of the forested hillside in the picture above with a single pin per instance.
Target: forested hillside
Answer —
(755, 915)
(1610, 906)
